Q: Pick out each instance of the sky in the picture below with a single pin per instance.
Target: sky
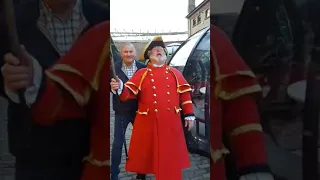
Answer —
(150, 16)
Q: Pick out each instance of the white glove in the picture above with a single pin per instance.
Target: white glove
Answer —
(257, 176)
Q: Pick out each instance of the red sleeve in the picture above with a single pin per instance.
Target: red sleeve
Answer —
(54, 104)
(132, 87)
(241, 122)
(72, 79)
(127, 93)
(186, 104)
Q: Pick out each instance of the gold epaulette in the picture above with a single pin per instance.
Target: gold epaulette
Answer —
(182, 84)
(135, 87)
(220, 93)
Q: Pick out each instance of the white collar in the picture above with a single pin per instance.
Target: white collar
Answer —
(155, 65)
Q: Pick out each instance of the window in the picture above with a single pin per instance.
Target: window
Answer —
(197, 69)
(180, 58)
(199, 19)
(207, 13)
(194, 22)
(197, 74)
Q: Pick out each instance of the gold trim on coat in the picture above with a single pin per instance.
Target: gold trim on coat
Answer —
(246, 128)
(94, 83)
(102, 60)
(143, 112)
(81, 100)
(232, 95)
(186, 102)
(133, 91)
(240, 92)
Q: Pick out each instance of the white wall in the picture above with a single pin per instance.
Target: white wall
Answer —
(225, 6)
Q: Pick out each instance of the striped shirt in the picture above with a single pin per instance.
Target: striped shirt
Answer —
(129, 70)
(61, 33)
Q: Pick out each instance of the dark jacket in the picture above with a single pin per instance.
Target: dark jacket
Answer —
(66, 137)
(129, 106)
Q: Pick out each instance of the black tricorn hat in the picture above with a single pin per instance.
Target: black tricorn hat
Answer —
(156, 41)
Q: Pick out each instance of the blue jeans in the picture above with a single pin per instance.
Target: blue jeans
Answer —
(120, 125)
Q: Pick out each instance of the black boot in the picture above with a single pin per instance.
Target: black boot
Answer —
(141, 176)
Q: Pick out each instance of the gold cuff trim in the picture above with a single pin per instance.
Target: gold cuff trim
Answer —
(186, 102)
(143, 112)
(96, 162)
(81, 100)
(233, 95)
(183, 91)
(177, 110)
(184, 85)
(66, 68)
(133, 91)
(218, 154)
(246, 128)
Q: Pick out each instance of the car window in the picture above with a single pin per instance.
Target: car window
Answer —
(197, 74)
(181, 56)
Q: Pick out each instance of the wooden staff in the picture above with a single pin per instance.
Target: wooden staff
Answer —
(8, 9)
(16, 50)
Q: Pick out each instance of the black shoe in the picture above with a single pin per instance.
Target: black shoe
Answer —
(141, 176)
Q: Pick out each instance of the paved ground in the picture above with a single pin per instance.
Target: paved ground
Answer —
(199, 170)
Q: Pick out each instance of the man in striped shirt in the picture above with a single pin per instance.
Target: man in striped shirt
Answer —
(124, 111)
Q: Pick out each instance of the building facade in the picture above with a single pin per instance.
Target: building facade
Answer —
(198, 17)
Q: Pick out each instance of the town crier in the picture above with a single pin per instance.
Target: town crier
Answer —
(234, 112)
(157, 144)
(75, 88)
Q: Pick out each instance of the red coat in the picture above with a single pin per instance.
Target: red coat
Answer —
(157, 144)
(234, 110)
(74, 89)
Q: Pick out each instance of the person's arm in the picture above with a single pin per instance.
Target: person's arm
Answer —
(184, 90)
(186, 103)
(241, 122)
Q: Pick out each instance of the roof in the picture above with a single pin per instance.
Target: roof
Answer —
(197, 8)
